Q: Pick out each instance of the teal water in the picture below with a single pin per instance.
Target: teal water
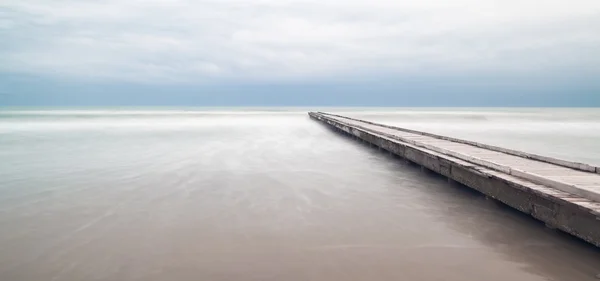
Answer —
(267, 194)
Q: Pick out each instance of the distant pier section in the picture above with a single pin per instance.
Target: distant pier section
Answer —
(564, 195)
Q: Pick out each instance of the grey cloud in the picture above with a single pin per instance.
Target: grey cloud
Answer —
(200, 41)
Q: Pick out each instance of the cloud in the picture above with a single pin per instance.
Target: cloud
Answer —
(267, 40)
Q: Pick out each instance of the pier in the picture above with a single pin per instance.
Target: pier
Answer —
(564, 195)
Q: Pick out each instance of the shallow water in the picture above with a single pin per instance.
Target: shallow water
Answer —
(266, 195)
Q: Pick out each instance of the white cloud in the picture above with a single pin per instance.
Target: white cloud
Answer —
(207, 40)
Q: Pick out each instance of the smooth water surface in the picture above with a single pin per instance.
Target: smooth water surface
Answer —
(264, 195)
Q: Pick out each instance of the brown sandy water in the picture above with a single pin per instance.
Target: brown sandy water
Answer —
(174, 195)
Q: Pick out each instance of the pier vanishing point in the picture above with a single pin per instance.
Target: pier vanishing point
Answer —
(562, 194)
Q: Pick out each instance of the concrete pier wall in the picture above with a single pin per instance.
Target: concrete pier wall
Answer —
(551, 160)
(557, 209)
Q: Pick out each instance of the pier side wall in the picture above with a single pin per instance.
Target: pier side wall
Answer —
(543, 204)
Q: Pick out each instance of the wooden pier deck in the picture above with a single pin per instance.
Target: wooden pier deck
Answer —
(570, 191)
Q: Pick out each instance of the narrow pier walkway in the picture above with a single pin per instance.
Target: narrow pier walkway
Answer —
(578, 182)
(564, 195)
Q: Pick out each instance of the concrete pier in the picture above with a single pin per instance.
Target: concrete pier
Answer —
(562, 194)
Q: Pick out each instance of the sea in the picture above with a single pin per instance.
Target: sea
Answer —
(267, 194)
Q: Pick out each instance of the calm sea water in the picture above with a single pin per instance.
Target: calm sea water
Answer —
(267, 194)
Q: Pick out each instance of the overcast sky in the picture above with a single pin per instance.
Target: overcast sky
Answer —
(302, 52)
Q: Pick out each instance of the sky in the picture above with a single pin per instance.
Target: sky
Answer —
(300, 52)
